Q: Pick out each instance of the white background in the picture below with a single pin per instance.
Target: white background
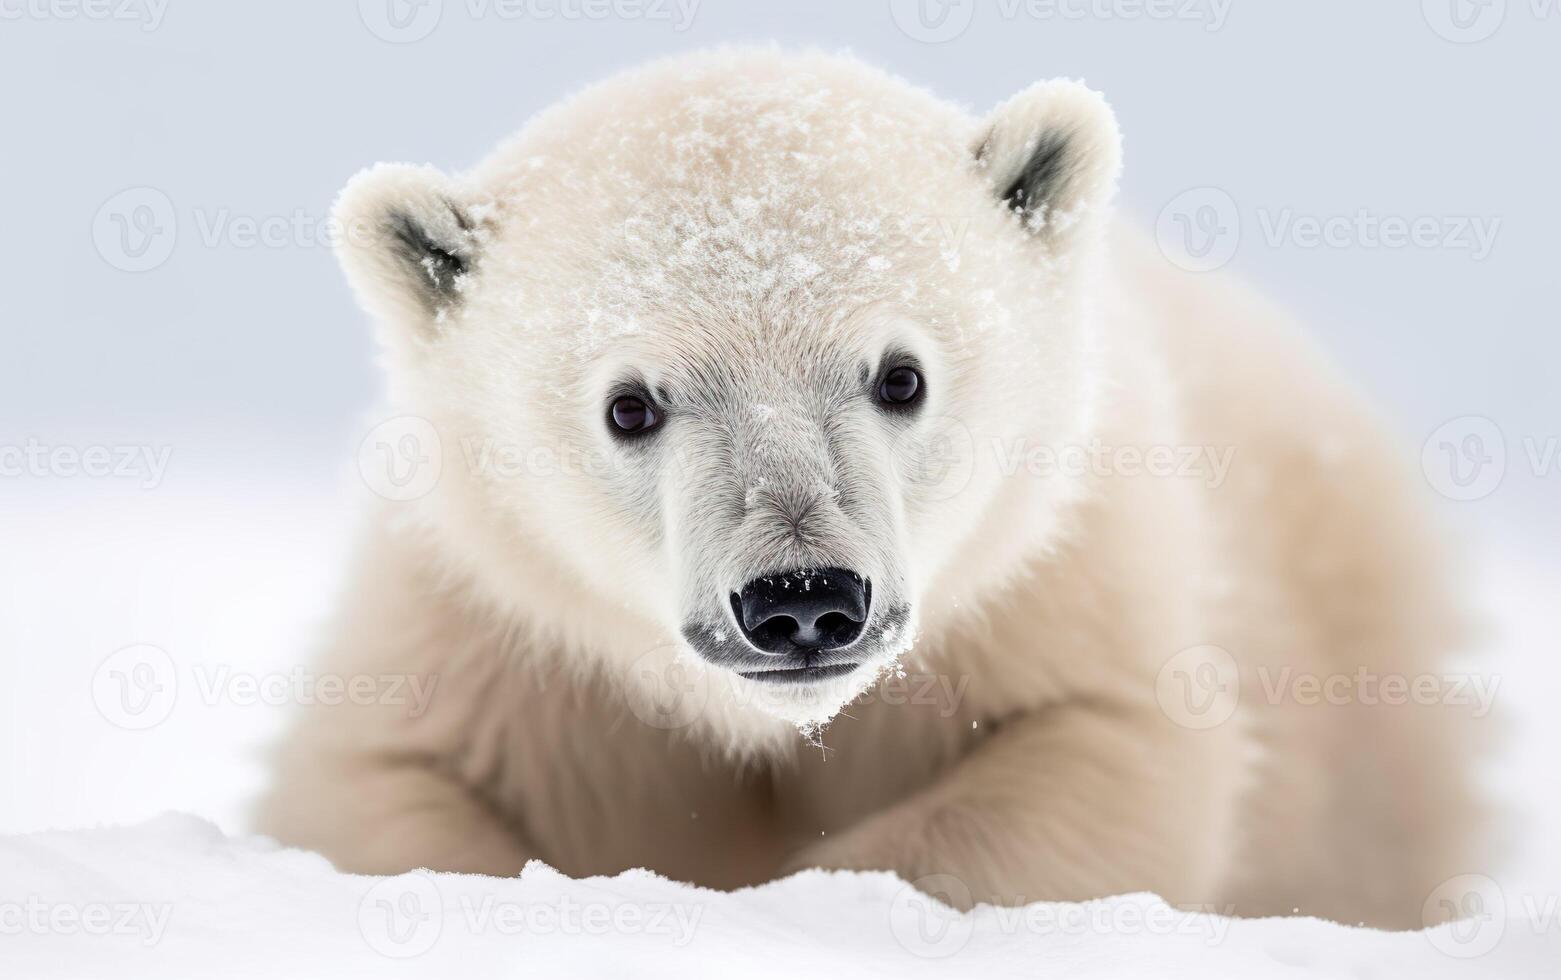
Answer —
(250, 364)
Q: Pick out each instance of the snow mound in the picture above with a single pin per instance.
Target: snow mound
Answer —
(176, 898)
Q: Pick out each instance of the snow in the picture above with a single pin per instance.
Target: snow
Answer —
(175, 898)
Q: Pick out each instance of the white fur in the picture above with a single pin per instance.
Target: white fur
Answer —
(745, 229)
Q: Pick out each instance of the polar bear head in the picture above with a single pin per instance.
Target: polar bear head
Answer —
(723, 356)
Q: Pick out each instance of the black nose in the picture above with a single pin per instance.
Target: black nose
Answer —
(810, 609)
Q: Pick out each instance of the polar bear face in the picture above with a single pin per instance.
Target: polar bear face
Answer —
(724, 356)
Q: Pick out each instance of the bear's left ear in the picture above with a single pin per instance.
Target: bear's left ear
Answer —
(1052, 154)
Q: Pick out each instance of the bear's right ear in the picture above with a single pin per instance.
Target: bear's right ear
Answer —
(408, 244)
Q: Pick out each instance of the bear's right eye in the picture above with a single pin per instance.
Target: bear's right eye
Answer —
(632, 415)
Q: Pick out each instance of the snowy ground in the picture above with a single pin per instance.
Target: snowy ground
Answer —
(229, 578)
(173, 897)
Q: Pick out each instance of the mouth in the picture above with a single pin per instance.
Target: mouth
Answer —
(807, 674)
(717, 644)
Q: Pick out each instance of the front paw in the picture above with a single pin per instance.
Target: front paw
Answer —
(909, 841)
(825, 854)
(871, 846)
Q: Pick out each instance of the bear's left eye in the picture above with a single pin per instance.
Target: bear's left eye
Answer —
(900, 387)
(633, 415)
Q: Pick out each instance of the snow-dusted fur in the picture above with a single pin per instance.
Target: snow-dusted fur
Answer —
(751, 236)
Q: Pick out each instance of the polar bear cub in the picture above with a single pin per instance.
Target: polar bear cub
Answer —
(824, 479)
